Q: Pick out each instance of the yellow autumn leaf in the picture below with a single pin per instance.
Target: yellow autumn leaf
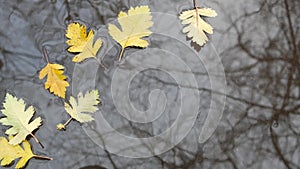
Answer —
(134, 25)
(56, 81)
(19, 119)
(79, 109)
(9, 153)
(80, 41)
(196, 26)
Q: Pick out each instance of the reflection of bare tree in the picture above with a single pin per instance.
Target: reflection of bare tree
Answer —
(265, 75)
(261, 126)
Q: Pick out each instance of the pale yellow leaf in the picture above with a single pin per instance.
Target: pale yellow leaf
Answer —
(56, 81)
(19, 119)
(85, 104)
(81, 109)
(135, 25)
(196, 26)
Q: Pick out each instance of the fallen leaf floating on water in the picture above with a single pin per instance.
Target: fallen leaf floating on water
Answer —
(8, 153)
(56, 81)
(80, 41)
(19, 119)
(196, 26)
(78, 110)
(134, 26)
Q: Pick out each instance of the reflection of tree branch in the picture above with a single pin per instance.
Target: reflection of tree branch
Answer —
(274, 70)
(293, 38)
(277, 148)
(215, 92)
(111, 160)
(107, 152)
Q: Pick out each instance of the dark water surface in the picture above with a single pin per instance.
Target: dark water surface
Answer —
(258, 43)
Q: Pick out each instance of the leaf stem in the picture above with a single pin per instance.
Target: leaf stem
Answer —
(36, 140)
(45, 54)
(42, 157)
(121, 54)
(197, 13)
(195, 3)
(67, 122)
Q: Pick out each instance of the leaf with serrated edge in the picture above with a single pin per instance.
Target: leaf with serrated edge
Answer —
(80, 110)
(85, 103)
(134, 26)
(19, 119)
(56, 81)
(80, 41)
(196, 26)
(8, 153)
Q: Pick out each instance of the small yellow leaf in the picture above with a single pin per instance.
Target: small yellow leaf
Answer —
(80, 41)
(134, 26)
(85, 103)
(196, 26)
(19, 119)
(60, 126)
(8, 153)
(80, 109)
(55, 79)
